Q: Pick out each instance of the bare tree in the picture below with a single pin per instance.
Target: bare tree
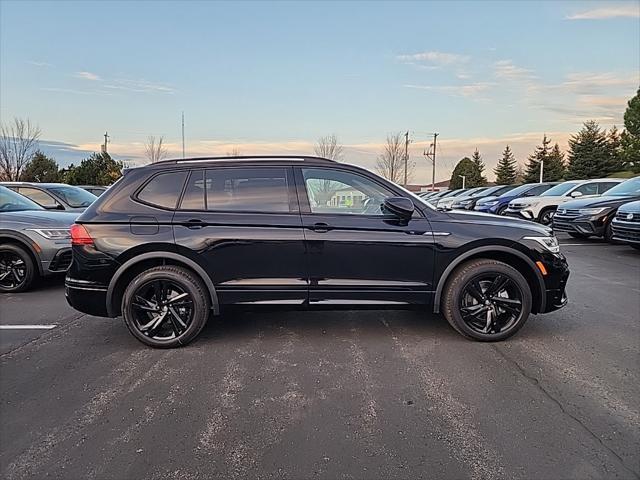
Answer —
(154, 149)
(235, 152)
(18, 145)
(328, 147)
(390, 164)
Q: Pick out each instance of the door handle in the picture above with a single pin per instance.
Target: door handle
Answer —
(320, 227)
(194, 223)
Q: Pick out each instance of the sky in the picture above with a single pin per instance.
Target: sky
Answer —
(273, 77)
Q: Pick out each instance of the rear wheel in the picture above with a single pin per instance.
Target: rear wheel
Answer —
(487, 300)
(165, 306)
(17, 269)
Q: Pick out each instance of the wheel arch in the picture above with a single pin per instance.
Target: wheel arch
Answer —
(508, 255)
(141, 262)
(15, 238)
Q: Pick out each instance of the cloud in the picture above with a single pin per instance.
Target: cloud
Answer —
(470, 90)
(586, 83)
(434, 58)
(139, 85)
(506, 70)
(39, 64)
(87, 76)
(74, 91)
(629, 10)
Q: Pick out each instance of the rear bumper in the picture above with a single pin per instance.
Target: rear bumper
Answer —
(86, 298)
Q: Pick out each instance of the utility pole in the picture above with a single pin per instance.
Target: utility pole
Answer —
(541, 170)
(406, 156)
(183, 135)
(464, 179)
(106, 141)
(431, 155)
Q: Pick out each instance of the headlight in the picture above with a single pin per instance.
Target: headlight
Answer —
(550, 243)
(528, 204)
(592, 211)
(53, 233)
(489, 204)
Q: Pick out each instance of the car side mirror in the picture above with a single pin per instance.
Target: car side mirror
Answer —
(575, 194)
(399, 206)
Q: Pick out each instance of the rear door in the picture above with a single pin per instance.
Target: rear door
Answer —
(245, 223)
(356, 254)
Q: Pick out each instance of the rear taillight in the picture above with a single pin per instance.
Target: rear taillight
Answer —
(80, 236)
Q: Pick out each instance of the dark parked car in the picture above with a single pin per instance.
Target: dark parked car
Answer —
(499, 205)
(469, 202)
(95, 189)
(33, 242)
(592, 216)
(626, 224)
(175, 240)
(54, 196)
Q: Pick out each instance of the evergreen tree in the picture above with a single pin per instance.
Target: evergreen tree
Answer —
(554, 168)
(506, 169)
(41, 169)
(630, 138)
(98, 169)
(471, 171)
(477, 159)
(591, 153)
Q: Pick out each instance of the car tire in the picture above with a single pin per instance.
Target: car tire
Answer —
(142, 306)
(19, 268)
(578, 235)
(608, 232)
(501, 210)
(546, 216)
(456, 293)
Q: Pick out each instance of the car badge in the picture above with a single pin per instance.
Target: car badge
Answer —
(629, 216)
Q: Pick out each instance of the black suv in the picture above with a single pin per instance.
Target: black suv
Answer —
(173, 241)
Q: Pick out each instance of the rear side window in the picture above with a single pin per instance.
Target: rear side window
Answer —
(163, 190)
(247, 190)
(588, 189)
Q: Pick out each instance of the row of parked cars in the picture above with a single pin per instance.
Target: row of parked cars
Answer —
(35, 219)
(605, 207)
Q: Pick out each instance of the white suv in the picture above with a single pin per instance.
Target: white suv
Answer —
(542, 208)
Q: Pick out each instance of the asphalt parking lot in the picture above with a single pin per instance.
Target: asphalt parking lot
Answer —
(330, 394)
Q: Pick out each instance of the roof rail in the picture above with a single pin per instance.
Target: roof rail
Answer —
(299, 158)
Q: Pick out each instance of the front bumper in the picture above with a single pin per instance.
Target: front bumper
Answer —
(556, 282)
(626, 232)
(521, 214)
(585, 225)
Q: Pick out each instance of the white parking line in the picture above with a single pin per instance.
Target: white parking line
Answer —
(577, 244)
(27, 327)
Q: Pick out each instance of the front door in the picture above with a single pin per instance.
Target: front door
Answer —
(356, 254)
(245, 223)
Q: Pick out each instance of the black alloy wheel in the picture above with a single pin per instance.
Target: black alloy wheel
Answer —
(165, 306)
(17, 270)
(486, 300)
(491, 303)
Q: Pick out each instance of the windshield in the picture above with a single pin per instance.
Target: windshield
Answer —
(559, 190)
(630, 187)
(473, 191)
(518, 190)
(74, 196)
(11, 201)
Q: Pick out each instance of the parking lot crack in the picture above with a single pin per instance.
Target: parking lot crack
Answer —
(539, 385)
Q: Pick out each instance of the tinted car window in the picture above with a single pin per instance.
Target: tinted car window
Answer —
(247, 189)
(538, 190)
(163, 190)
(11, 201)
(74, 196)
(194, 198)
(38, 196)
(604, 186)
(334, 191)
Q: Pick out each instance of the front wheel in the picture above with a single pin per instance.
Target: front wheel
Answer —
(546, 216)
(17, 269)
(165, 306)
(487, 300)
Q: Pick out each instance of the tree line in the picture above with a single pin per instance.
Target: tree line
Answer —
(593, 153)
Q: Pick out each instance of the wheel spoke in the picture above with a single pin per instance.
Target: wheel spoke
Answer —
(498, 285)
(177, 316)
(475, 290)
(177, 297)
(508, 304)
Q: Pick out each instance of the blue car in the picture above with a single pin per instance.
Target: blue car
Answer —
(499, 205)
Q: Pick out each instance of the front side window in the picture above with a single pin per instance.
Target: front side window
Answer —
(335, 191)
(41, 198)
(587, 189)
(11, 201)
(629, 187)
(163, 190)
(605, 186)
(559, 190)
(263, 190)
